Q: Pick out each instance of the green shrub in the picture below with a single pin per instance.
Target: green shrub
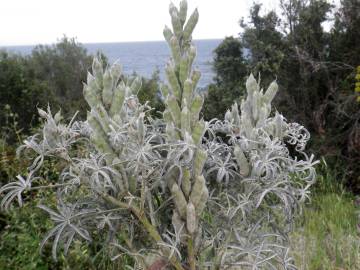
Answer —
(20, 239)
(63, 67)
(20, 94)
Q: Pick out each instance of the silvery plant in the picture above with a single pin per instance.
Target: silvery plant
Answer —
(177, 192)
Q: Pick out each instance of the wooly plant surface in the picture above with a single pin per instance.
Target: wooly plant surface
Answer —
(177, 192)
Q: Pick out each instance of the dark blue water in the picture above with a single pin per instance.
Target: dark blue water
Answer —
(145, 57)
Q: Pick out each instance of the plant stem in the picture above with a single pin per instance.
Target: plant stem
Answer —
(124, 176)
(132, 249)
(147, 225)
(190, 248)
(49, 186)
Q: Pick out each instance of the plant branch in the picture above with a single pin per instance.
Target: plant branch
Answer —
(154, 234)
(49, 186)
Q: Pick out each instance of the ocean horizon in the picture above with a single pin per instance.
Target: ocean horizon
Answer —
(144, 57)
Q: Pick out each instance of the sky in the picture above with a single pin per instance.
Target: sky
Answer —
(28, 22)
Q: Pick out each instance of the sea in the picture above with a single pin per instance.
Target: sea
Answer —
(143, 58)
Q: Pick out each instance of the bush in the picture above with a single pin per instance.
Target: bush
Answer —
(170, 192)
(20, 94)
(63, 67)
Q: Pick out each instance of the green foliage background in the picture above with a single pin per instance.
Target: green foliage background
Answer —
(315, 70)
(314, 66)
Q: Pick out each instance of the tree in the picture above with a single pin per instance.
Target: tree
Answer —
(20, 95)
(229, 62)
(63, 66)
(231, 69)
(264, 42)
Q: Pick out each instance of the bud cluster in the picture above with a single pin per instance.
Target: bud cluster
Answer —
(183, 124)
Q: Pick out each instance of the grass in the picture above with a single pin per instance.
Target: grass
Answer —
(327, 236)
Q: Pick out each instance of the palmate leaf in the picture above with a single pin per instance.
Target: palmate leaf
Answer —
(253, 248)
(54, 140)
(224, 167)
(14, 190)
(100, 174)
(67, 225)
(39, 148)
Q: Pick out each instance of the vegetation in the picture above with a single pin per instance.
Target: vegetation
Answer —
(357, 84)
(18, 86)
(231, 72)
(328, 235)
(315, 68)
(150, 93)
(63, 66)
(51, 75)
(320, 241)
(152, 184)
(170, 192)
